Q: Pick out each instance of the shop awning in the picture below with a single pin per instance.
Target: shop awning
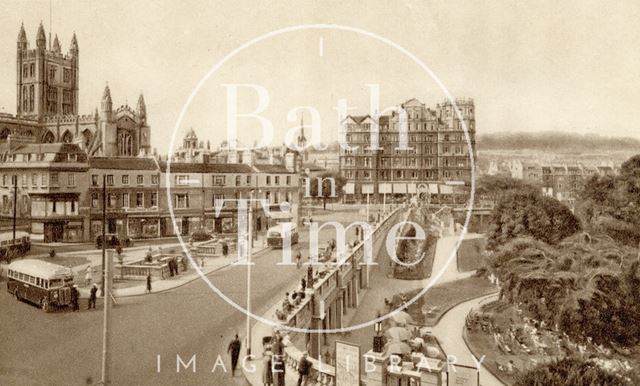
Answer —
(400, 188)
(433, 188)
(446, 189)
(367, 189)
(384, 188)
(411, 188)
(349, 188)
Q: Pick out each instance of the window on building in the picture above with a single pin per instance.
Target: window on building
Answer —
(111, 200)
(125, 200)
(139, 199)
(248, 180)
(44, 179)
(25, 180)
(154, 199)
(268, 181)
(54, 179)
(109, 179)
(277, 180)
(288, 180)
(140, 179)
(4, 180)
(182, 180)
(94, 180)
(71, 179)
(154, 179)
(237, 180)
(218, 180)
(217, 199)
(182, 201)
(34, 179)
(125, 179)
(94, 200)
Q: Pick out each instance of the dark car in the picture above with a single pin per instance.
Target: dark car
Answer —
(113, 241)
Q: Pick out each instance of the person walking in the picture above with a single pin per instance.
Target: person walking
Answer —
(88, 276)
(234, 351)
(298, 259)
(92, 297)
(74, 298)
(277, 360)
(267, 372)
(148, 283)
(304, 368)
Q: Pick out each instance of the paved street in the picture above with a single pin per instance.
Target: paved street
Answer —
(186, 321)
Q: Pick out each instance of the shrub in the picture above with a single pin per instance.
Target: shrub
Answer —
(52, 253)
(200, 235)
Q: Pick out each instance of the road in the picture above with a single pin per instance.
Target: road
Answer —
(66, 348)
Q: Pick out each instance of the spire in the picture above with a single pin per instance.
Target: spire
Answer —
(22, 38)
(56, 45)
(73, 49)
(41, 39)
(107, 104)
(142, 109)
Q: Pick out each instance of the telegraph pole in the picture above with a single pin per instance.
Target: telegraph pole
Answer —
(104, 232)
(106, 335)
(249, 252)
(15, 205)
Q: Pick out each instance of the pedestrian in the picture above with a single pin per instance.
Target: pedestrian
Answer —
(298, 259)
(88, 277)
(170, 264)
(304, 368)
(201, 261)
(92, 297)
(225, 249)
(234, 351)
(267, 373)
(74, 298)
(149, 282)
(277, 360)
(303, 284)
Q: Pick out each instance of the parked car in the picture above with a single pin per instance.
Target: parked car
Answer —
(113, 240)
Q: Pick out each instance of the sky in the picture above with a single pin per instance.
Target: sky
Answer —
(535, 66)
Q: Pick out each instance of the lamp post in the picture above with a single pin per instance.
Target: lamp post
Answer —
(15, 205)
(249, 249)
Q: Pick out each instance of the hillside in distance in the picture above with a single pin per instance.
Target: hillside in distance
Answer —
(553, 141)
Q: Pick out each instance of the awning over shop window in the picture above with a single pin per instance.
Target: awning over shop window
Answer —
(400, 188)
(384, 188)
(446, 189)
(411, 188)
(349, 188)
(367, 189)
(433, 188)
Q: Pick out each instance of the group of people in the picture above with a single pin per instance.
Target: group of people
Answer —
(75, 297)
(173, 267)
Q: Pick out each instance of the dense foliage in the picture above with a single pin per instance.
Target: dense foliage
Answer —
(611, 204)
(571, 372)
(529, 214)
(583, 287)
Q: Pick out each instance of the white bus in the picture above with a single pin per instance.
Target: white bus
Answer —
(276, 234)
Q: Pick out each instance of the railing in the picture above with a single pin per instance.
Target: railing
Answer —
(214, 248)
(137, 270)
(321, 373)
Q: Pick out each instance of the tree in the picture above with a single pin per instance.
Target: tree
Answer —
(530, 214)
(572, 372)
(332, 186)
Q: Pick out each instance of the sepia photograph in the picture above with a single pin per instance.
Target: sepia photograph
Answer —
(319, 193)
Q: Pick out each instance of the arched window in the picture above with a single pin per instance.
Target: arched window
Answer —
(48, 138)
(87, 137)
(4, 133)
(125, 144)
(67, 137)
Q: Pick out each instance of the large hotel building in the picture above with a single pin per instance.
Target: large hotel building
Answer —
(436, 160)
(56, 160)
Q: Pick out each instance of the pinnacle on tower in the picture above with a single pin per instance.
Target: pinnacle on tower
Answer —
(41, 39)
(73, 48)
(142, 108)
(107, 104)
(56, 45)
(22, 38)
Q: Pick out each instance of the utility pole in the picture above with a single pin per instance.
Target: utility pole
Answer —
(104, 231)
(15, 205)
(249, 249)
(106, 335)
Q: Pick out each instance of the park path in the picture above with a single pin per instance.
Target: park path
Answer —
(449, 332)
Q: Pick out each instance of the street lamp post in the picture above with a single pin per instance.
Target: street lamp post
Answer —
(249, 250)
(104, 231)
(15, 205)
